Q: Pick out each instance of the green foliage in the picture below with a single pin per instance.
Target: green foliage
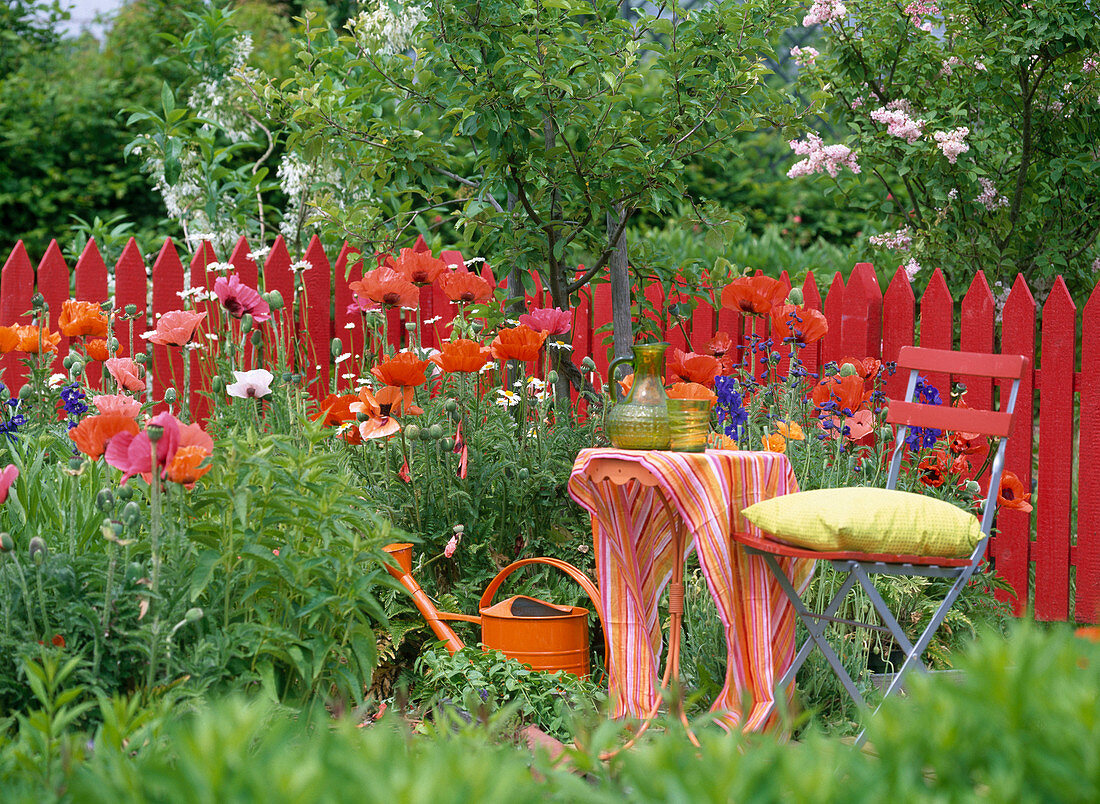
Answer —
(482, 682)
(1021, 80)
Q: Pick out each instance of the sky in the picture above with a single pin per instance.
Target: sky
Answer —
(84, 11)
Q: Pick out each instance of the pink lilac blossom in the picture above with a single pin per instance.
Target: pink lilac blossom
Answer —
(911, 268)
(918, 9)
(821, 158)
(1096, 266)
(901, 240)
(1091, 65)
(949, 65)
(823, 11)
(855, 104)
(899, 123)
(804, 56)
(952, 142)
(989, 197)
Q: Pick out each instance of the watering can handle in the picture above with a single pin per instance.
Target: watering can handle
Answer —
(583, 580)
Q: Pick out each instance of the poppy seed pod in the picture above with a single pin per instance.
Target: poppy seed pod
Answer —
(75, 463)
(155, 431)
(425, 434)
(140, 358)
(37, 550)
(436, 432)
(130, 310)
(170, 396)
(131, 514)
(7, 544)
(448, 444)
(412, 431)
(450, 406)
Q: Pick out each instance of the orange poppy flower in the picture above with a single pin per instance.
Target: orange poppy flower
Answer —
(790, 430)
(185, 468)
(755, 295)
(404, 369)
(462, 355)
(803, 325)
(720, 344)
(690, 390)
(335, 410)
(518, 343)
(867, 368)
(29, 336)
(366, 403)
(93, 433)
(175, 328)
(419, 267)
(397, 401)
(935, 468)
(626, 384)
(97, 349)
(774, 443)
(846, 394)
(690, 367)
(9, 340)
(1012, 494)
(465, 287)
(80, 318)
(126, 373)
(387, 287)
(379, 427)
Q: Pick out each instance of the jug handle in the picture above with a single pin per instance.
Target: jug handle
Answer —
(582, 580)
(618, 361)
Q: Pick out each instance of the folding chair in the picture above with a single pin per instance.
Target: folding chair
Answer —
(858, 567)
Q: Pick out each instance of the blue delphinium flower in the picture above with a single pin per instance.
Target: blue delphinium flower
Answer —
(924, 437)
(730, 408)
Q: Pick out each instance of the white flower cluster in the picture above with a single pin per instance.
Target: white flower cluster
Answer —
(989, 197)
(220, 95)
(383, 32)
(901, 240)
(298, 180)
(952, 143)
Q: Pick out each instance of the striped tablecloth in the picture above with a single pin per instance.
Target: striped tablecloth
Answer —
(632, 532)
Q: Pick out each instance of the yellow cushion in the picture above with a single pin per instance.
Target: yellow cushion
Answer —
(868, 520)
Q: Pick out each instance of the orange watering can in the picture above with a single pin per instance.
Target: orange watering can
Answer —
(532, 631)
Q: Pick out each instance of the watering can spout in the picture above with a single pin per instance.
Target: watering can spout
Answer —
(402, 571)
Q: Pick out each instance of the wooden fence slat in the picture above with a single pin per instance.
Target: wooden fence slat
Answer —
(90, 274)
(202, 369)
(1055, 496)
(247, 269)
(131, 283)
(317, 289)
(348, 325)
(703, 320)
(861, 335)
(1086, 607)
(278, 276)
(601, 316)
(53, 284)
(811, 300)
(976, 325)
(833, 343)
(937, 314)
(167, 284)
(16, 290)
(899, 307)
(1011, 548)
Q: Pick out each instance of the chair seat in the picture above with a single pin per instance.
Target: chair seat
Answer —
(765, 545)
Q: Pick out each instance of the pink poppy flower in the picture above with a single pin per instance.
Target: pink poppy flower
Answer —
(452, 545)
(7, 477)
(550, 319)
(117, 404)
(175, 328)
(126, 373)
(240, 300)
(133, 454)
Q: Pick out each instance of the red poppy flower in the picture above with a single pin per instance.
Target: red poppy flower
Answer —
(58, 641)
(465, 287)
(462, 355)
(94, 433)
(935, 468)
(690, 367)
(518, 343)
(867, 368)
(29, 337)
(79, 318)
(9, 340)
(335, 410)
(175, 328)
(387, 287)
(419, 267)
(755, 295)
(1011, 493)
(803, 325)
(404, 369)
(720, 344)
(847, 393)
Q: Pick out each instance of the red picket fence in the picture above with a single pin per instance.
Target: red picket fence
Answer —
(863, 321)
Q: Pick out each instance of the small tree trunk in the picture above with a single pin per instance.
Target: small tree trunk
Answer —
(622, 327)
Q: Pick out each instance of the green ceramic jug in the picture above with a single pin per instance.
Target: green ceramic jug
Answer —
(641, 420)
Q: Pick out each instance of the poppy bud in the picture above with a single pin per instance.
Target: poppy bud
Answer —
(795, 297)
(552, 377)
(131, 514)
(256, 337)
(37, 550)
(436, 432)
(448, 444)
(246, 322)
(450, 406)
(105, 500)
(193, 615)
(361, 416)
(7, 544)
(38, 302)
(112, 345)
(26, 393)
(848, 370)
(972, 487)
(412, 431)
(169, 397)
(217, 384)
(335, 348)
(125, 493)
(524, 474)
(275, 300)
(588, 364)
(5, 394)
(134, 571)
(67, 363)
